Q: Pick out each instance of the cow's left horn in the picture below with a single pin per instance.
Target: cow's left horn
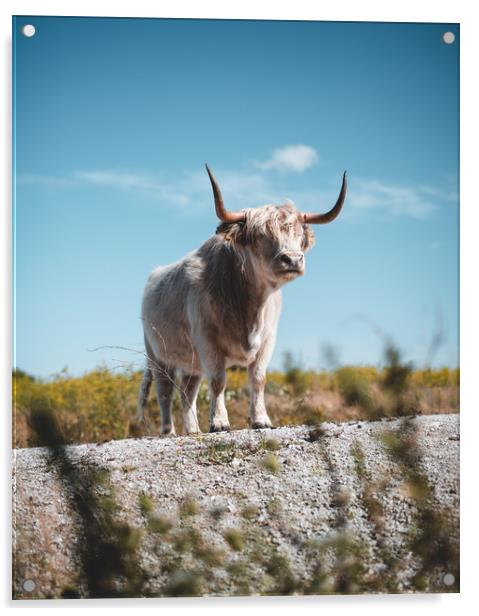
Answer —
(321, 219)
(221, 211)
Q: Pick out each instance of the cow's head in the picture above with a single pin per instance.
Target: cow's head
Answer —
(275, 237)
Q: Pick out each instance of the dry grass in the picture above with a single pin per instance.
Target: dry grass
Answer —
(101, 405)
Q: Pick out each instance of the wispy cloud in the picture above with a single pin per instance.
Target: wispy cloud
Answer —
(150, 185)
(290, 158)
(26, 179)
(240, 189)
(254, 187)
(133, 182)
(121, 180)
(412, 201)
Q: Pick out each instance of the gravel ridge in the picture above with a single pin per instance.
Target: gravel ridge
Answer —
(302, 483)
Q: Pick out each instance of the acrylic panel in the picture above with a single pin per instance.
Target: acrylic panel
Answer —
(239, 379)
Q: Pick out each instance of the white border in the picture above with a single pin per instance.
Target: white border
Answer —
(347, 10)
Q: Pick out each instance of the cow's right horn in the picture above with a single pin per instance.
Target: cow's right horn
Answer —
(221, 211)
(321, 219)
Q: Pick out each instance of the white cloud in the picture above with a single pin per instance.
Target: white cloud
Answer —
(26, 179)
(412, 201)
(121, 180)
(295, 158)
(126, 181)
(251, 188)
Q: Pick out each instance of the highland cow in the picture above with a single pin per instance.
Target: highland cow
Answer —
(219, 307)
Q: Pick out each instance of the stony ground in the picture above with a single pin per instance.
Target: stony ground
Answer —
(296, 509)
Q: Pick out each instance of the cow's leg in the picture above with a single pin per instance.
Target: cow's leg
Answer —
(257, 380)
(257, 408)
(189, 392)
(214, 367)
(165, 387)
(218, 414)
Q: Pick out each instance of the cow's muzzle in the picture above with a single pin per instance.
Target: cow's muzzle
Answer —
(291, 262)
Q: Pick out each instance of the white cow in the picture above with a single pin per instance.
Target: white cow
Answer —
(219, 307)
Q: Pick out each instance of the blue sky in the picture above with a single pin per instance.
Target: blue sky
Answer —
(115, 118)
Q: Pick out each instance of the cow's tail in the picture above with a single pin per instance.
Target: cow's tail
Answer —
(143, 396)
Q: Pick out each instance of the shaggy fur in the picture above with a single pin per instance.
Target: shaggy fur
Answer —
(218, 307)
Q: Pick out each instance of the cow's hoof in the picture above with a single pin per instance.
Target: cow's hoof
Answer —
(168, 431)
(258, 425)
(220, 429)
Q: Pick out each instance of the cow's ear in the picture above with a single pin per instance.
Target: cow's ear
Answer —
(308, 238)
(233, 232)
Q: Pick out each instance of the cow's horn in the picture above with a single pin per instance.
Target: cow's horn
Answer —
(221, 211)
(321, 219)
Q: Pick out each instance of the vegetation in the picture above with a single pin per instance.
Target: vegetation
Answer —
(101, 405)
(108, 553)
(430, 539)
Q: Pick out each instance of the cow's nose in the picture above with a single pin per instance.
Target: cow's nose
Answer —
(292, 259)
